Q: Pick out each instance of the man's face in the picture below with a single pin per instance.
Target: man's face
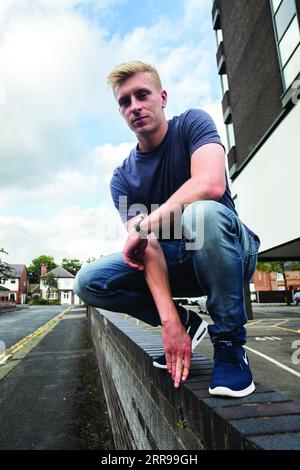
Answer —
(141, 103)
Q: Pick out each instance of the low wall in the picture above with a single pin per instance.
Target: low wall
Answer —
(147, 412)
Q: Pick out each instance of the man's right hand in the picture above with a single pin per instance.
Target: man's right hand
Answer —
(178, 350)
(134, 249)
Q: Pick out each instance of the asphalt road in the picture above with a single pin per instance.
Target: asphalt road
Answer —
(273, 347)
(51, 397)
(16, 324)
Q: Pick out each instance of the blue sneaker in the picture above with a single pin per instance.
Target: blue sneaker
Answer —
(196, 328)
(231, 375)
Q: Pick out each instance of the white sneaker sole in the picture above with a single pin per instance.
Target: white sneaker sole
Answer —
(227, 392)
(199, 335)
(158, 365)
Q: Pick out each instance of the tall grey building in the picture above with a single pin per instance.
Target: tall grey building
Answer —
(258, 59)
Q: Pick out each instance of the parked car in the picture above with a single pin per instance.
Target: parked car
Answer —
(297, 297)
(200, 301)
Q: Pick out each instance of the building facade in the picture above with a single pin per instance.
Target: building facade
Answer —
(17, 283)
(64, 292)
(271, 281)
(258, 59)
(5, 298)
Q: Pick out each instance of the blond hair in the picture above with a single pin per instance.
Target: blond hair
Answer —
(126, 70)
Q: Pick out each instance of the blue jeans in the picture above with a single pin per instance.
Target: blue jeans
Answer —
(217, 266)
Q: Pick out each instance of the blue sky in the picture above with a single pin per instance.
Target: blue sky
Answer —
(61, 132)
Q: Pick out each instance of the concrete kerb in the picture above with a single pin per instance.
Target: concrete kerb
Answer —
(30, 340)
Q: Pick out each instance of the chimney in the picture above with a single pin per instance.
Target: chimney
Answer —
(43, 270)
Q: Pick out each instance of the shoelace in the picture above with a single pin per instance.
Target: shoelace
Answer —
(226, 353)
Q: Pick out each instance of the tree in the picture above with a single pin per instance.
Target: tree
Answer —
(295, 266)
(71, 265)
(275, 267)
(51, 283)
(34, 270)
(4, 267)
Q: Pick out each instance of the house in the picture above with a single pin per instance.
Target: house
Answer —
(64, 292)
(17, 283)
(258, 61)
(6, 297)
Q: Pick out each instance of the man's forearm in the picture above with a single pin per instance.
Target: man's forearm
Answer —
(156, 276)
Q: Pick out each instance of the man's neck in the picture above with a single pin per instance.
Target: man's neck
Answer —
(152, 141)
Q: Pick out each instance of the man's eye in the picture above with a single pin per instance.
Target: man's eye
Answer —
(142, 95)
(124, 103)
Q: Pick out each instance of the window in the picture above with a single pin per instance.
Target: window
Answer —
(219, 36)
(289, 41)
(287, 33)
(284, 16)
(13, 281)
(224, 83)
(292, 69)
(276, 4)
(230, 135)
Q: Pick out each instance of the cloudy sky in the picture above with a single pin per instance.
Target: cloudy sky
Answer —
(61, 134)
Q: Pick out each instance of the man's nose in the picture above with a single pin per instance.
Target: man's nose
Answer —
(135, 105)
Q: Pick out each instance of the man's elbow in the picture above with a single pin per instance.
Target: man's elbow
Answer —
(214, 191)
(218, 191)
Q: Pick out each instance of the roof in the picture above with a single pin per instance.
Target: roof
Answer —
(60, 272)
(16, 270)
(4, 288)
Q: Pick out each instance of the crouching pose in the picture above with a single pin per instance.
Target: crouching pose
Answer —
(185, 238)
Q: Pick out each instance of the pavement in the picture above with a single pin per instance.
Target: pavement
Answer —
(51, 395)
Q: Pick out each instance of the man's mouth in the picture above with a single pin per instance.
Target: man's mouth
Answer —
(138, 119)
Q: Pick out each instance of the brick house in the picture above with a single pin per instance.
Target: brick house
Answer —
(265, 281)
(17, 283)
(5, 297)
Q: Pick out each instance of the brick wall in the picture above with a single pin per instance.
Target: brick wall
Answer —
(264, 281)
(146, 412)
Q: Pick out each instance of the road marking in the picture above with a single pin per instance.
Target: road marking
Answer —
(281, 323)
(272, 338)
(279, 364)
(287, 329)
(253, 322)
(264, 338)
(22, 343)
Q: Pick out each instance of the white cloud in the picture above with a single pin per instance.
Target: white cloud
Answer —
(54, 59)
(108, 157)
(53, 64)
(69, 186)
(72, 233)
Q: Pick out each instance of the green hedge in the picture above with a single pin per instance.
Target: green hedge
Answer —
(40, 301)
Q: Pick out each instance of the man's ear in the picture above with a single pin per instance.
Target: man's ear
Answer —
(164, 98)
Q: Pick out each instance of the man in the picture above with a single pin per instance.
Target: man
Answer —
(176, 174)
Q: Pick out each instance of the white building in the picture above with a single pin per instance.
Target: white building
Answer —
(64, 292)
(258, 61)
